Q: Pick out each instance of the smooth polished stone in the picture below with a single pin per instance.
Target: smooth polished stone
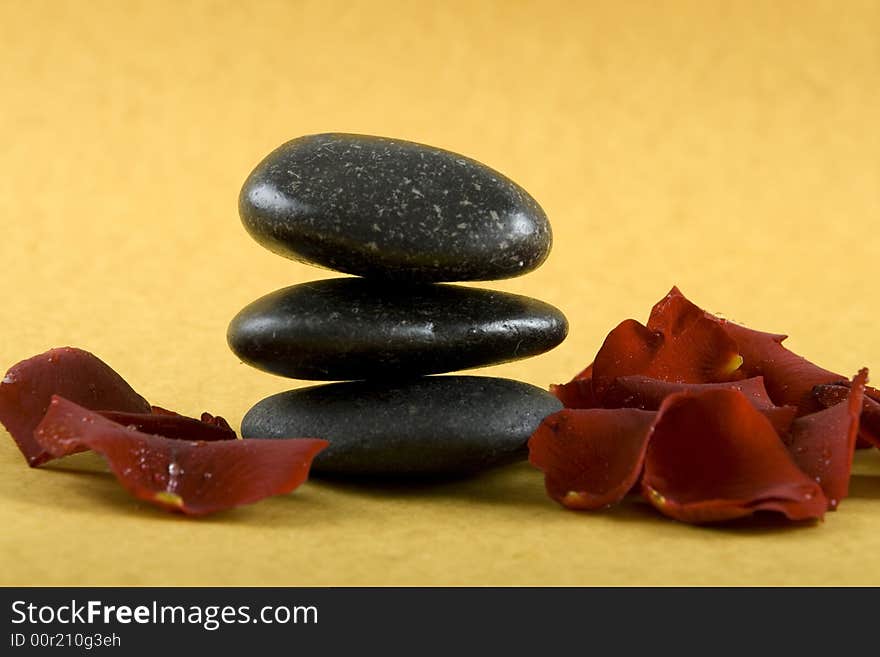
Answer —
(356, 328)
(387, 208)
(437, 425)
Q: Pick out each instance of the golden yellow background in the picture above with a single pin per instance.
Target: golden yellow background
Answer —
(732, 148)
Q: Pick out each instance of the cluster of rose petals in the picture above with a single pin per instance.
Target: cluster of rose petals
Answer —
(67, 400)
(708, 420)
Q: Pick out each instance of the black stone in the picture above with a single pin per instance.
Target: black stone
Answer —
(438, 425)
(356, 328)
(387, 208)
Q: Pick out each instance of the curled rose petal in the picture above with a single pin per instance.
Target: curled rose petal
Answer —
(869, 424)
(206, 418)
(679, 344)
(193, 477)
(822, 443)
(789, 378)
(647, 393)
(591, 458)
(217, 421)
(577, 393)
(714, 457)
(72, 373)
(172, 425)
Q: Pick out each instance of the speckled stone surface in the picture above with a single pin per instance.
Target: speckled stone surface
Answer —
(437, 425)
(356, 328)
(388, 208)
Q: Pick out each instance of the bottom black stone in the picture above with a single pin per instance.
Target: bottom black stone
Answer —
(437, 425)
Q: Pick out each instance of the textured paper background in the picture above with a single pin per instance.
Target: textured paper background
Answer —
(732, 148)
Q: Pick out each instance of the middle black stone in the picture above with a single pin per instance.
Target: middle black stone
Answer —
(355, 328)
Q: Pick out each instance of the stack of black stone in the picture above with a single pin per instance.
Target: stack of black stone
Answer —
(401, 217)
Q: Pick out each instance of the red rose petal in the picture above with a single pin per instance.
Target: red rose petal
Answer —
(789, 378)
(193, 477)
(75, 374)
(217, 421)
(158, 410)
(172, 425)
(679, 344)
(207, 418)
(714, 457)
(869, 423)
(577, 393)
(647, 393)
(822, 443)
(591, 458)
(644, 392)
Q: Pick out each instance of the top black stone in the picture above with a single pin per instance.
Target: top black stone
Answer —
(392, 209)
